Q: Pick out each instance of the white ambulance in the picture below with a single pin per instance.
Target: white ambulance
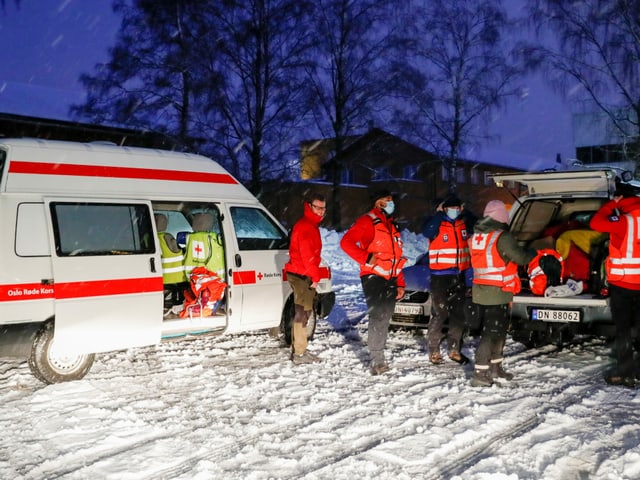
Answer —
(80, 257)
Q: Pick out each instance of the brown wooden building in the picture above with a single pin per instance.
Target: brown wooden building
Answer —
(379, 160)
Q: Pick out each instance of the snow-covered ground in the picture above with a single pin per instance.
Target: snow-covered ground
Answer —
(235, 407)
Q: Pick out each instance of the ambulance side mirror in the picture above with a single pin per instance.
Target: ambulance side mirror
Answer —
(181, 239)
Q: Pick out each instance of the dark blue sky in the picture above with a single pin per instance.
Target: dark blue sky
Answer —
(47, 44)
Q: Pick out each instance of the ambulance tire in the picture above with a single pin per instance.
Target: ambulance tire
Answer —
(50, 369)
(287, 319)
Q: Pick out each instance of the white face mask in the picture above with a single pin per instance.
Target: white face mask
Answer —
(389, 207)
(453, 213)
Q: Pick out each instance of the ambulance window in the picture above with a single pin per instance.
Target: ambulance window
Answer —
(101, 229)
(256, 231)
(32, 237)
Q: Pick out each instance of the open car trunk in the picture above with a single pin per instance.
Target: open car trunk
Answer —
(554, 214)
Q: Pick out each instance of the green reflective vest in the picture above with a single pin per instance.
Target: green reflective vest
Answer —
(172, 263)
(205, 249)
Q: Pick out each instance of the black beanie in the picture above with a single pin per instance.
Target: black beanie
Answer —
(378, 194)
(451, 201)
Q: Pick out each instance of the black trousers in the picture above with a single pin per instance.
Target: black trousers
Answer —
(380, 295)
(495, 322)
(625, 311)
(447, 302)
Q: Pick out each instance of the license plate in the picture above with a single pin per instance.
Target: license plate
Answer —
(547, 315)
(402, 309)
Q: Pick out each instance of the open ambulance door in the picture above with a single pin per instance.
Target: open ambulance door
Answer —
(262, 251)
(107, 274)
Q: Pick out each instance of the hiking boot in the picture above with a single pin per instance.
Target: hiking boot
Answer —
(436, 358)
(481, 378)
(379, 369)
(458, 357)
(498, 372)
(306, 357)
(614, 378)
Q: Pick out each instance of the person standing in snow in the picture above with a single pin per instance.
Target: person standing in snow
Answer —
(374, 242)
(495, 256)
(620, 218)
(450, 264)
(303, 273)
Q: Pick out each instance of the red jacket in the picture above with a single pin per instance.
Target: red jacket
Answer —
(360, 241)
(612, 218)
(305, 246)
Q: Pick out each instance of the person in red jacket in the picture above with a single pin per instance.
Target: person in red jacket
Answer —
(620, 218)
(303, 273)
(374, 243)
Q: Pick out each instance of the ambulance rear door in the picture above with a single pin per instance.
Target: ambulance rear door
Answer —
(257, 267)
(107, 275)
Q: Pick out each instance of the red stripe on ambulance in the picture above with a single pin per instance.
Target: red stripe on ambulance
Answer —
(94, 288)
(44, 168)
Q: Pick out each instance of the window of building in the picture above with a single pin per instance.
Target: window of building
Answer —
(410, 172)
(346, 176)
(460, 175)
(381, 173)
(475, 176)
(487, 179)
(445, 173)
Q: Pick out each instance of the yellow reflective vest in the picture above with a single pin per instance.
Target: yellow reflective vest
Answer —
(172, 263)
(205, 249)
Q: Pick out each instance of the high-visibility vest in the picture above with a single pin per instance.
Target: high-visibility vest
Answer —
(450, 248)
(488, 266)
(172, 263)
(387, 246)
(204, 249)
(623, 263)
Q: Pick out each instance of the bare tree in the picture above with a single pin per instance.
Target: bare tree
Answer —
(597, 49)
(225, 78)
(350, 73)
(150, 81)
(456, 71)
(261, 48)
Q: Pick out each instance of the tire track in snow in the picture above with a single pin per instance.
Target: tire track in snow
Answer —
(340, 418)
(458, 464)
(335, 418)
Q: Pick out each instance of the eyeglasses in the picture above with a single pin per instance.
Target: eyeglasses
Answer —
(322, 209)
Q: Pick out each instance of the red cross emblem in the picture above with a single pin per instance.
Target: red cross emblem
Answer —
(260, 276)
(478, 238)
(198, 249)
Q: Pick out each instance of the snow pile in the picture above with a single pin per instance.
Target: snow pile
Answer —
(235, 407)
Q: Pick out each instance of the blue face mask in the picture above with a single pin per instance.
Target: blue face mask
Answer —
(453, 213)
(389, 207)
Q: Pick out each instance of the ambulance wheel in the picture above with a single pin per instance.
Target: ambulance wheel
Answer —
(287, 319)
(51, 368)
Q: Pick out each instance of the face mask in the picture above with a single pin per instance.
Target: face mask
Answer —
(389, 207)
(453, 213)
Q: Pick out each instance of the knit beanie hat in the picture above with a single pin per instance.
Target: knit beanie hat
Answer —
(451, 201)
(497, 210)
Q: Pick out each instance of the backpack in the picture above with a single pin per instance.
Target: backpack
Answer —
(545, 270)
